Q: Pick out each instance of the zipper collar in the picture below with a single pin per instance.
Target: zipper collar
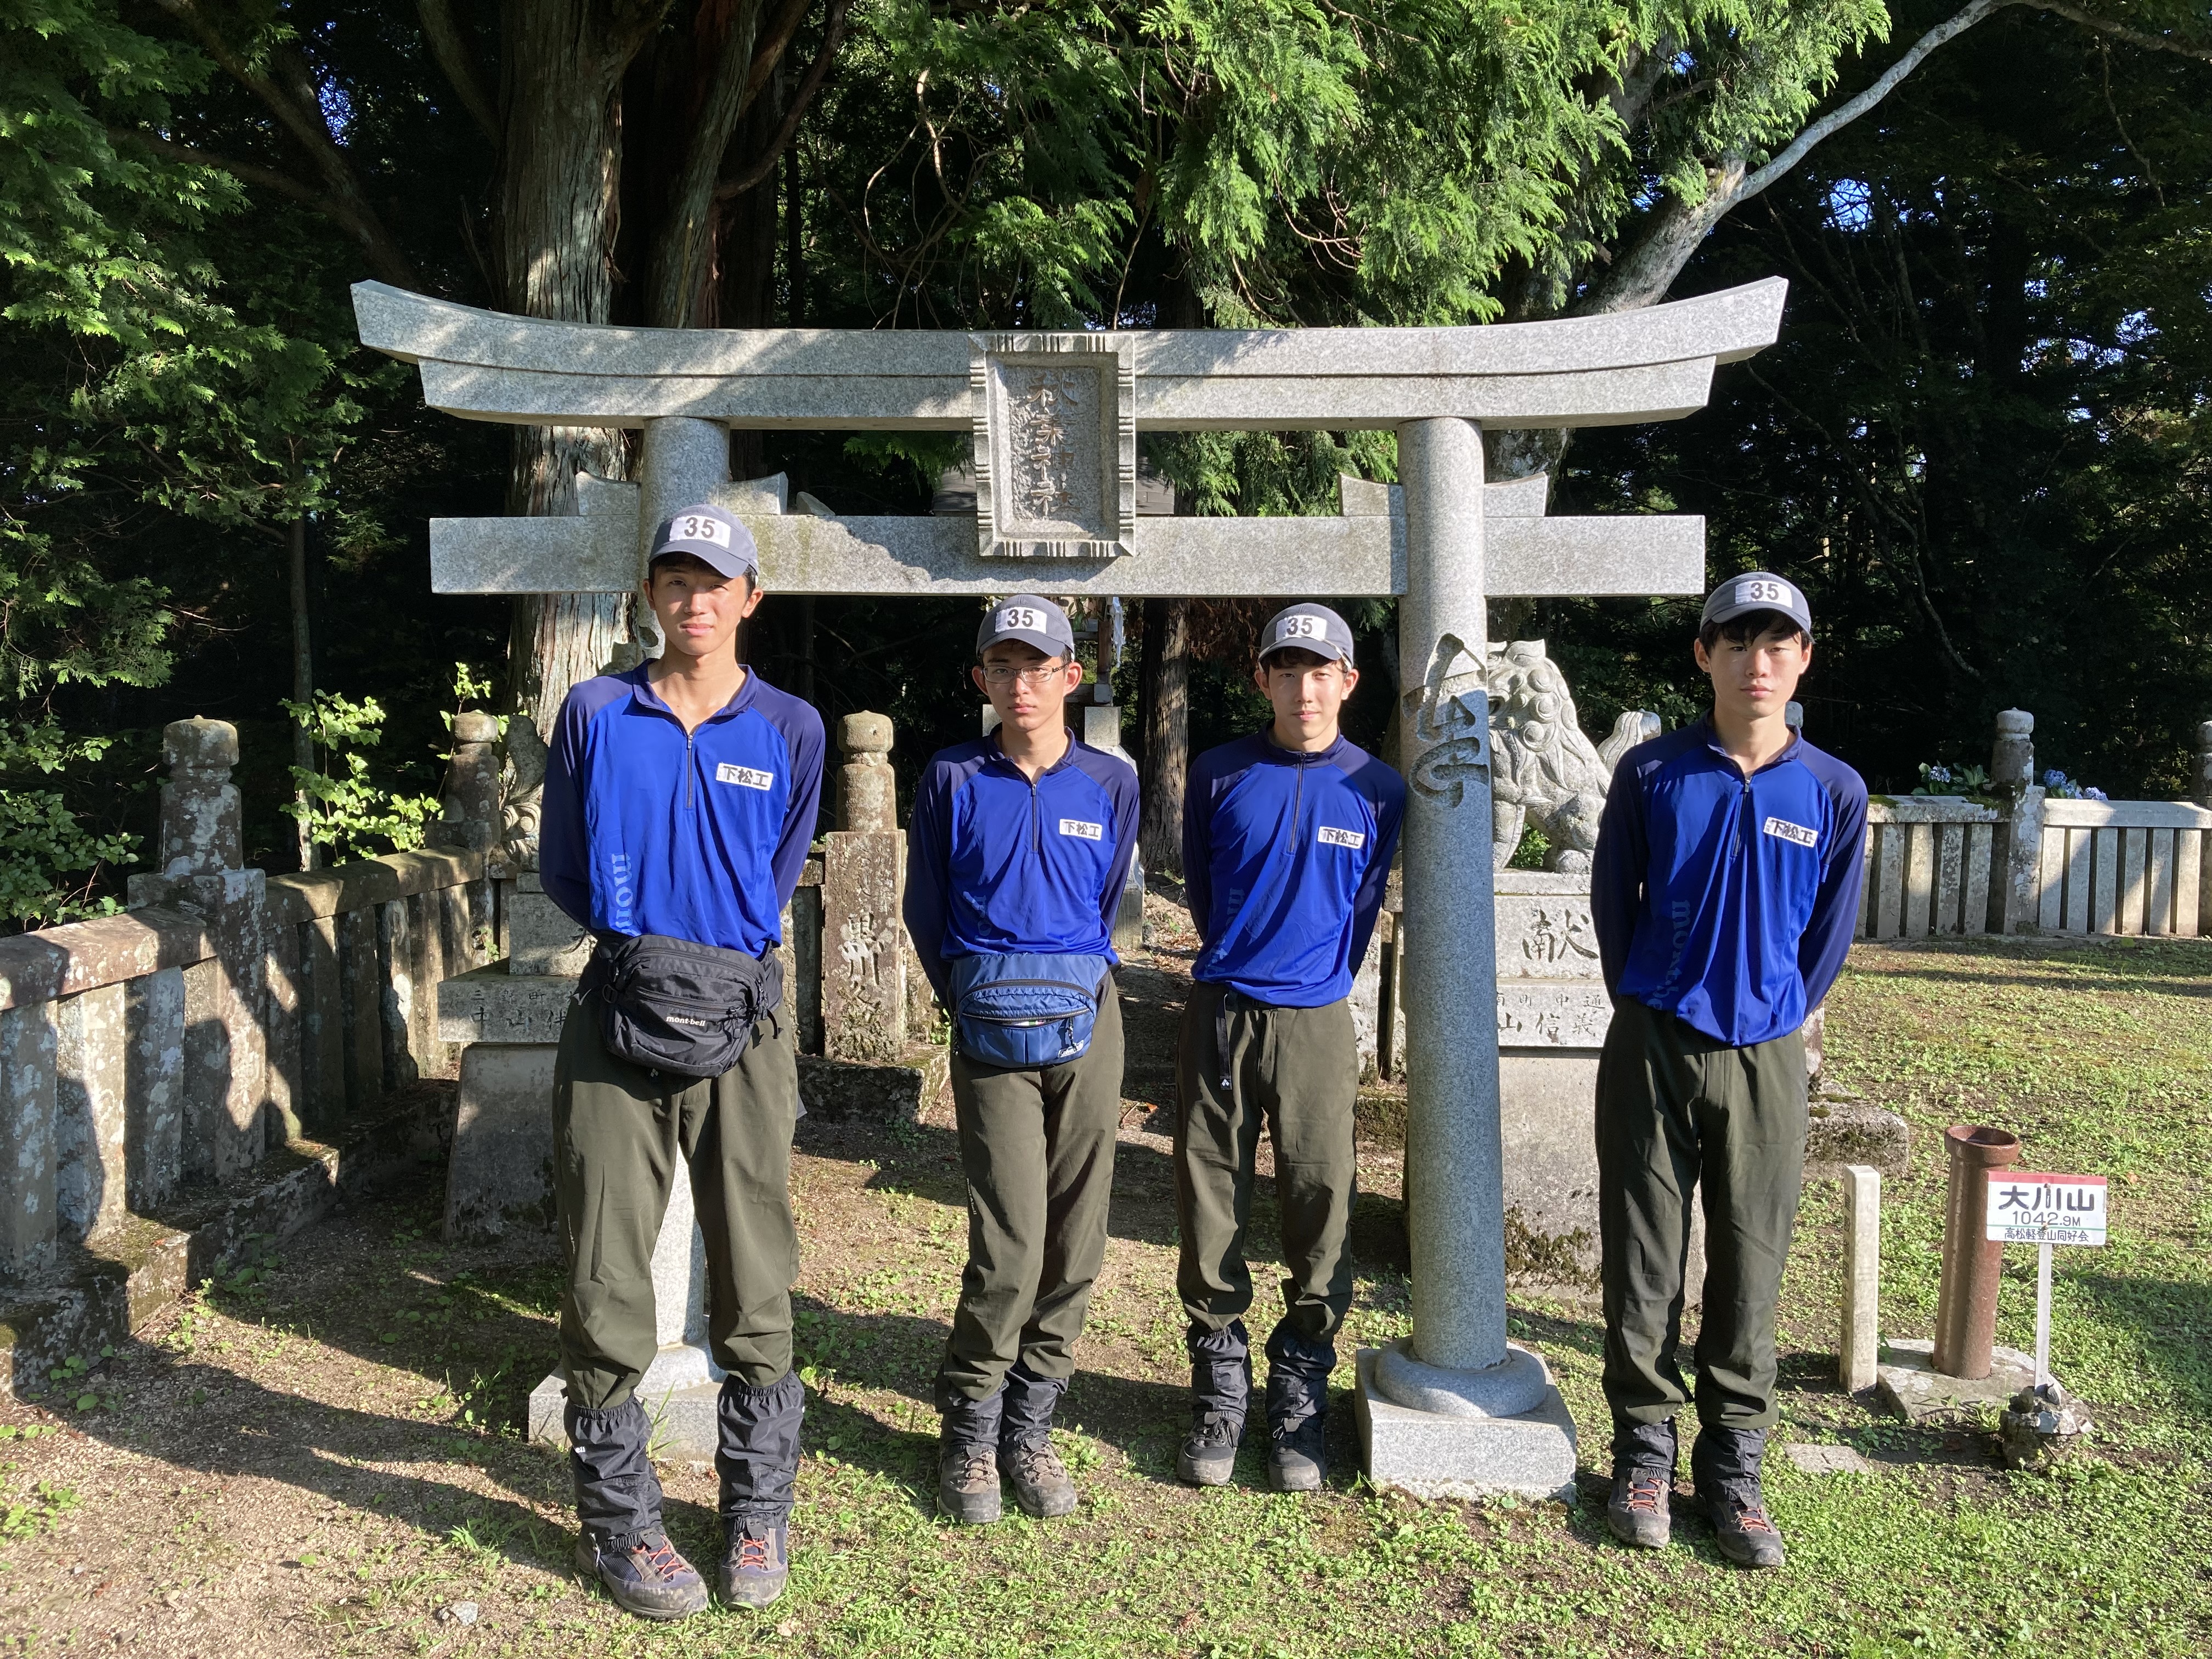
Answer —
(1273, 751)
(1712, 741)
(644, 696)
(1067, 759)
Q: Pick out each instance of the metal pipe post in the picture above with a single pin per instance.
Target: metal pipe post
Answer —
(1966, 1306)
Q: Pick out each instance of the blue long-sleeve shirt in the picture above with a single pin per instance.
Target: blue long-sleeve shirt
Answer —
(645, 829)
(1286, 856)
(997, 864)
(1728, 901)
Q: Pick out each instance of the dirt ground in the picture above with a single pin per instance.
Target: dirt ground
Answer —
(320, 1454)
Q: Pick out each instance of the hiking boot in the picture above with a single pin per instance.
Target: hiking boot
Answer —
(1298, 1455)
(1742, 1526)
(755, 1565)
(1208, 1458)
(968, 1483)
(1042, 1485)
(1638, 1513)
(1644, 1459)
(649, 1577)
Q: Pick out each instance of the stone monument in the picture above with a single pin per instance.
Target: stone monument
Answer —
(1053, 419)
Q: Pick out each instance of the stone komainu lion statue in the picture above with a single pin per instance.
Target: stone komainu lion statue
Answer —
(1542, 768)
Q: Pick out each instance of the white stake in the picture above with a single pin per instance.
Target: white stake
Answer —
(2042, 1315)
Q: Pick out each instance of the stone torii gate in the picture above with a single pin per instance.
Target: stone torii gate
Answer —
(1454, 1409)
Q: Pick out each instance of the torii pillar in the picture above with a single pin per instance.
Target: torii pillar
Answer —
(1452, 1408)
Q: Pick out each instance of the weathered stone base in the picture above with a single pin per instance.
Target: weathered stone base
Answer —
(841, 1090)
(1911, 1387)
(1532, 1455)
(106, 1289)
(501, 1178)
(681, 1393)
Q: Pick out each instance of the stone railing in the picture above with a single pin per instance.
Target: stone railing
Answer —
(2022, 861)
(227, 1022)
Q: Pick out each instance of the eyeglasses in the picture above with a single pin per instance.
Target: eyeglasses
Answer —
(1002, 675)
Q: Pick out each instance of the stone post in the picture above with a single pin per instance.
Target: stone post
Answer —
(867, 787)
(1859, 1351)
(1451, 969)
(864, 949)
(28, 1193)
(2012, 756)
(471, 794)
(230, 1117)
(683, 461)
(1455, 1410)
(2200, 777)
(2018, 848)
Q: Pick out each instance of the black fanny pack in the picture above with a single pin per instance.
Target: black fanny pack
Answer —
(672, 1006)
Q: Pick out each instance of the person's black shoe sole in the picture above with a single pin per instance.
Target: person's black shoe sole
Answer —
(1213, 1467)
(1638, 1531)
(1296, 1473)
(970, 1509)
(1044, 1504)
(588, 1562)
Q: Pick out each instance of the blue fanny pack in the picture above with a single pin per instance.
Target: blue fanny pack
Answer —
(1023, 1009)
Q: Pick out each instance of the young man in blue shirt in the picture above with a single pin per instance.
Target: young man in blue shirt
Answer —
(678, 805)
(1287, 840)
(1017, 851)
(1724, 892)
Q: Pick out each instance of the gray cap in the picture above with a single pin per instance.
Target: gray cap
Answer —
(1031, 619)
(1757, 590)
(1313, 628)
(711, 536)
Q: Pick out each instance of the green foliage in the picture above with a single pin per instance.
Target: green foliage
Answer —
(49, 860)
(1979, 442)
(344, 807)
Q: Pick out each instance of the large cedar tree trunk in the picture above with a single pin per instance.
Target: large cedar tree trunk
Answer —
(1164, 671)
(560, 77)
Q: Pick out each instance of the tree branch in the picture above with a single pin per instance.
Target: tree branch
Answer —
(684, 244)
(768, 50)
(1837, 119)
(459, 66)
(761, 166)
(338, 212)
(1648, 270)
(2118, 31)
(298, 111)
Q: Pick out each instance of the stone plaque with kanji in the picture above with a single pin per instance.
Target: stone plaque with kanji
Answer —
(1055, 437)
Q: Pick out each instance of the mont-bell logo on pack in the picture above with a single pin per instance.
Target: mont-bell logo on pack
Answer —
(744, 776)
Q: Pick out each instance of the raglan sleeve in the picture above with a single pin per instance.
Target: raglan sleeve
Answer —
(929, 875)
(1198, 848)
(1389, 802)
(803, 737)
(1827, 937)
(564, 858)
(1122, 788)
(1618, 867)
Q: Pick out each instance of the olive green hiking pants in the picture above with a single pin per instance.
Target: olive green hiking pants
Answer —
(1678, 1109)
(1297, 1070)
(1036, 1144)
(618, 1130)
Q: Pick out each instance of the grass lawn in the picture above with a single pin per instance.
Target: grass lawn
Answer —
(323, 1458)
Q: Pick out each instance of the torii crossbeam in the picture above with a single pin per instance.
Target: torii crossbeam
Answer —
(1053, 418)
